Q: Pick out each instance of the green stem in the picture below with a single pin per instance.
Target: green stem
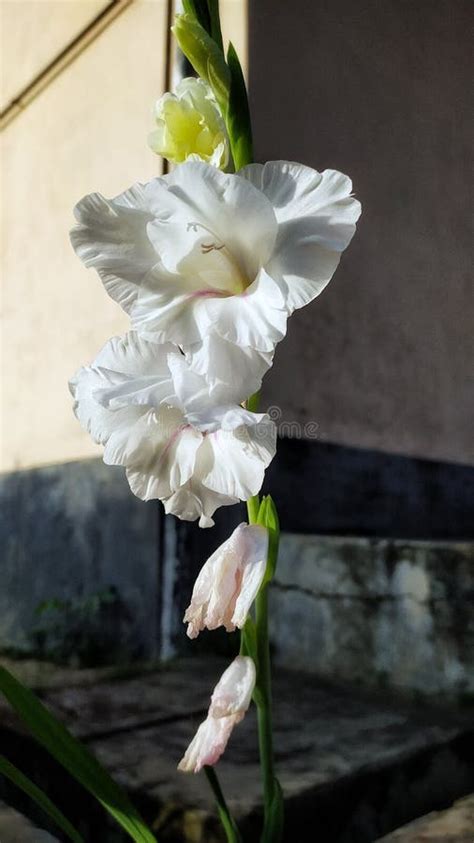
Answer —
(253, 505)
(263, 694)
(264, 700)
(228, 823)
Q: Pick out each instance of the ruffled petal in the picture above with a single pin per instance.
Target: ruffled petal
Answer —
(237, 459)
(117, 358)
(232, 372)
(296, 190)
(111, 237)
(167, 461)
(316, 215)
(257, 318)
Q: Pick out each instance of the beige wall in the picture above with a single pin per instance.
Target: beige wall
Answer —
(86, 130)
(34, 33)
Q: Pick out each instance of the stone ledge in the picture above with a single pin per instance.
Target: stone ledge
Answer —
(354, 766)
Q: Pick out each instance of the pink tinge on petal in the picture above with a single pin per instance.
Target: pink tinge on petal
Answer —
(208, 743)
(229, 703)
(229, 581)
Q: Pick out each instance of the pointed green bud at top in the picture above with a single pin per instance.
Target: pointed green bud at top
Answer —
(205, 56)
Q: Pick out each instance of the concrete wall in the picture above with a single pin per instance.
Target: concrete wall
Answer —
(74, 538)
(378, 90)
(382, 613)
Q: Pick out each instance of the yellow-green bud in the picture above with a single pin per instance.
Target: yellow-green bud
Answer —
(189, 125)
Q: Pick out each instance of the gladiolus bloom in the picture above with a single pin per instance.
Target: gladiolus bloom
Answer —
(154, 416)
(216, 262)
(229, 703)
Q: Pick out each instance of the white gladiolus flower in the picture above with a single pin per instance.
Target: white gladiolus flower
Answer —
(216, 262)
(229, 581)
(155, 417)
(229, 703)
(189, 125)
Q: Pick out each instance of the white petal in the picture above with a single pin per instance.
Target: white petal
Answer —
(195, 500)
(223, 417)
(116, 360)
(237, 459)
(229, 581)
(111, 237)
(295, 190)
(222, 205)
(301, 265)
(233, 692)
(134, 372)
(167, 459)
(256, 318)
(190, 387)
(208, 744)
(233, 372)
(253, 571)
(316, 215)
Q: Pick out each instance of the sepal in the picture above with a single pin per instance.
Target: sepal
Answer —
(268, 517)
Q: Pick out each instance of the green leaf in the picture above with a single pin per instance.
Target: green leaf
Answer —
(36, 794)
(73, 756)
(200, 11)
(215, 28)
(273, 830)
(238, 114)
(205, 56)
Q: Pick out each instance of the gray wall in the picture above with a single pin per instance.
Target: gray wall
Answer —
(381, 613)
(378, 89)
(74, 534)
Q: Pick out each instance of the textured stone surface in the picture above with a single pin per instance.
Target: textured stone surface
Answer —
(456, 825)
(15, 828)
(378, 612)
(357, 766)
(72, 532)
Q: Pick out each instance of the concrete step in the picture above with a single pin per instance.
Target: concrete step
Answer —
(455, 825)
(353, 766)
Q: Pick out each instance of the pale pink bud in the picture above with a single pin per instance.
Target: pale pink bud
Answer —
(229, 581)
(229, 703)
